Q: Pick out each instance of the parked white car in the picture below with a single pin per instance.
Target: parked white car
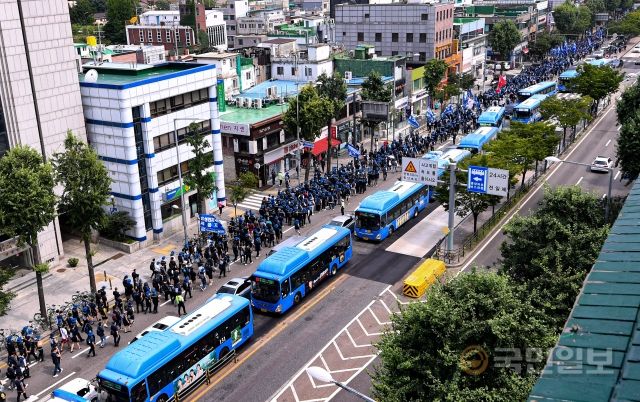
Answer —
(76, 390)
(601, 164)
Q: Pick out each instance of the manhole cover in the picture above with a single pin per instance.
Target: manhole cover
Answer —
(61, 270)
(116, 256)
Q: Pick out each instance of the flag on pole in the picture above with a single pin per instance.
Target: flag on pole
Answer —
(431, 117)
(353, 152)
(502, 81)
(413, 122)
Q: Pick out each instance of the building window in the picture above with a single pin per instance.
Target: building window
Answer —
(141, 36)
(293, 71)
(150, 35)
(308, 71)
(423, 38)
(179, 102)
(378, 37)
(394, 37)
(394, 52)
(240, 42)
(159, 36)
(344, 33)
(409, 37)
(187, 37)
(360, 36)
(424, 17)
(279, 70)
(422, 56)
(167, 140)
(168, 36)
(366, 16)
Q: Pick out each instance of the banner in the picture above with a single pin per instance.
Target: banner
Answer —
(209, 223)
(353, 152)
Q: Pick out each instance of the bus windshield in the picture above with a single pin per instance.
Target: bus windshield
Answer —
(112, 392)
(523, 113)
(368, 221)
(265, 289)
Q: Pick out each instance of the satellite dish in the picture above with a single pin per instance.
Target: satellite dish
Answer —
(91, 76)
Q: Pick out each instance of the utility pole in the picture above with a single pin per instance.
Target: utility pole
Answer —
(452, 205)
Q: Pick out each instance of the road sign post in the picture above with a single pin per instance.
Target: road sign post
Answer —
(498, 182)
(418, 170)
(477, 179)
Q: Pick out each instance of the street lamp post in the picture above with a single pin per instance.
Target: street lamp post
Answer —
(607, 208)
(320, 374)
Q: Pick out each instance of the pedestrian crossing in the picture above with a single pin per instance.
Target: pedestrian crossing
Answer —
(253, 201)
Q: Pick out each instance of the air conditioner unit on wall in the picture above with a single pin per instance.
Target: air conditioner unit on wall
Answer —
(348, 75)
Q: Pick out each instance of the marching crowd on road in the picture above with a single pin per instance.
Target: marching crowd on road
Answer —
(174, 277)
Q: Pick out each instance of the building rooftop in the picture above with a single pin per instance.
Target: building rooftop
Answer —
(127, 75)
(597, 357)
(284, 88)
(278, 41)
(215, 55)
(252, 116)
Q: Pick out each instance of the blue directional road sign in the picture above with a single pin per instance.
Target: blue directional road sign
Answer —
(478, 178)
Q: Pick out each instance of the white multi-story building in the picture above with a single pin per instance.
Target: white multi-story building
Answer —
(232, 10)
(39, 98)
(303, 66)
(226, 69)
(216, 29)
(158, 17)
(260, 22)
(131, 112)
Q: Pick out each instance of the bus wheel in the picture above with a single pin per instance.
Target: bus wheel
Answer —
(223, 353)
(163, 398)
(296, 298)
(334, 270)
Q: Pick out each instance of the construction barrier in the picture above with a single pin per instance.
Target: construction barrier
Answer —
(424, 276)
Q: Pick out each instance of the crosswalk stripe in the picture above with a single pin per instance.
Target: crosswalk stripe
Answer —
(253, 202)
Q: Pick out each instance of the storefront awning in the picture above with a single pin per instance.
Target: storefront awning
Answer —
(320, 146)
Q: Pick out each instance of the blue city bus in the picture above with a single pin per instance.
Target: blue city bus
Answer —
(602, 62)
(476, 140)
(288, 275)
(542, 88)
(529, 110)
(564, 78)
(492, 117)
(383, 212)
(168, 365)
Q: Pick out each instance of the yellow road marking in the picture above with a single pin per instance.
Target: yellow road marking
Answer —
(261, 342)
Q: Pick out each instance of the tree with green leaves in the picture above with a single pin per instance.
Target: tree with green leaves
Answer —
(596, 82)
(543, 43)
(504, 37)
(374, 89)
(422, 353)
(5, 296)
(308, 112)
(586, 19)
(119, 12)
(82, 12)
(463, 81)
(596, 6)
(565, 17)
(27, 203)
(523, 145)
(612, 5)
(116, 225)
(551, 251)
(629, 103)
(334, 89)
(242, 188)
(467, 202)
(628, 147)
(568, 112)
(198, 177)
(162, 5)
(86, 187)
(434, 72)
(627, 25)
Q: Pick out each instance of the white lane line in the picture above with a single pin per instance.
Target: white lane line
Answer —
(87, 349)
(607, 144)
(616, 176)
(604, 196)
(531, 194)
(44, 391)
(619, 127)
(167, 302)
(579, 180)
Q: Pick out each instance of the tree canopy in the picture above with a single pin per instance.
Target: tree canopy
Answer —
(434, 73)
(86, 187)
(628, 103)
(198, 177)
(570, 18)
(628, 146)
(374, 89)
(628, 25)
(82, 12)
(422, 355)
(119, 12)
(568, 112)
(543, 43)
(334, 89)
(504, 37)
(595, 82)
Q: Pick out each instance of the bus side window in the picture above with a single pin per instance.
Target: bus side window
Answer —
(139, 392)
(284, 289)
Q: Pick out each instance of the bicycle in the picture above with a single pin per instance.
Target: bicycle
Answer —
(85, 296)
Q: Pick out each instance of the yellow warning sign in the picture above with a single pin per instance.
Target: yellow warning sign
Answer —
(410, 168)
